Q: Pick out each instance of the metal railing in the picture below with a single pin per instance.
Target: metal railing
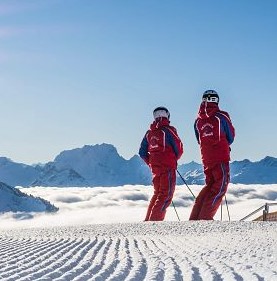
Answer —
(265, 209)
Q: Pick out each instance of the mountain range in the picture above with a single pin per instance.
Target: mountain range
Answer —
(101, 165)
(13, 200)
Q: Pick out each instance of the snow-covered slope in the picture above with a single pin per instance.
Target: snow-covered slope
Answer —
(13, 200)
(99, 234)
(17, 173)
(141, 251)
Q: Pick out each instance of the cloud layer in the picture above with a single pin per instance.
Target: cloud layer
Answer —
(129, 204)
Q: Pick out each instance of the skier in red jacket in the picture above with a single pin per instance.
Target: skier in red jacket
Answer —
(215, 133)
(160, 149)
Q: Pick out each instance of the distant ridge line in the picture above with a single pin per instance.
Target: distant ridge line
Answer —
(101, 165)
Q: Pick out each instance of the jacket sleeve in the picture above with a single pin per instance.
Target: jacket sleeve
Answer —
(175, 142)
(227, 126)
(196, 131)
(143, 150)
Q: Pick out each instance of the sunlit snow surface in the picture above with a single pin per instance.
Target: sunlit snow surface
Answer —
(99, 234)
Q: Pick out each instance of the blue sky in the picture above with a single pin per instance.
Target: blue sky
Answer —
(76, 72)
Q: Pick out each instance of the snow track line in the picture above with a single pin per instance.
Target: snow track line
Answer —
(24, 252)
(110, 263)
(139, 261)
(155, 265)
(27, 254)
(224, 268)
(194, 253)
(50, 268)
(177, 270)
(128, 264)
(167, 263)
(83, 254)
(83, 262)
(123, 259)
(189, 272)
(14, 247)
(37, 258)
(97, 260)
(198, 254)
(68, 260)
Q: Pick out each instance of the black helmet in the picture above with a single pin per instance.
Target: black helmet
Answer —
(161, 112)
(210, 96)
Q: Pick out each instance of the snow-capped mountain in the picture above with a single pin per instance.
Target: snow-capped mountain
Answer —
(262, 172)
(13, 200)
(63, 177)
(101, 165)
(98, 165)
(192, 173)
(17, 173)
(245, 172)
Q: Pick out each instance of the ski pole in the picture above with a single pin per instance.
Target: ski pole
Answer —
(186, 184)
(175, 210)
(227, 207)
(221, 211)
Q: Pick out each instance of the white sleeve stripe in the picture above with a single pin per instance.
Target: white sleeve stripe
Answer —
(219, 123)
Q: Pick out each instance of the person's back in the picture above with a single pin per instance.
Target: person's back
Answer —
(160, 149)
(215, 133)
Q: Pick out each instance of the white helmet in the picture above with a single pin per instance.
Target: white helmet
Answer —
(161, 112)
(210, 96)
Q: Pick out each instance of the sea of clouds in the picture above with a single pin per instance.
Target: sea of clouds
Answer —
(128, 204)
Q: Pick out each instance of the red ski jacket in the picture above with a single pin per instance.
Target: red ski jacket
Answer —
(161, 146)
(214, 132)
